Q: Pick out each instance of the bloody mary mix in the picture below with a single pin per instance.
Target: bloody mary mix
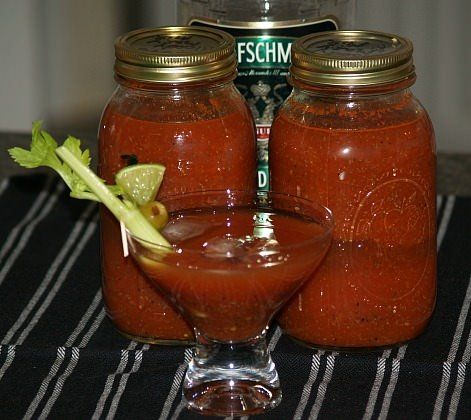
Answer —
(365, 150)
(195, 123)
(227, 281)
(234, 261)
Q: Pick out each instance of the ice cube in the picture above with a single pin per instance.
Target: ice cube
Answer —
(185, 228)
(224, 247)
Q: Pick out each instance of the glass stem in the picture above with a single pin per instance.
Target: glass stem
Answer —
(225, 377)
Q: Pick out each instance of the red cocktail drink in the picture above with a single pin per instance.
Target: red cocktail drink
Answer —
(233, 264)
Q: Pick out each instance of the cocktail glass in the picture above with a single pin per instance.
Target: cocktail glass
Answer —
(235, 260)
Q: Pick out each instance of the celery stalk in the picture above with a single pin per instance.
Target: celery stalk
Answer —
(73, 167)
(129, 214)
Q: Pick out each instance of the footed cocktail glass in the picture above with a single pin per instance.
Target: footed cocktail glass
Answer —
(235, 260)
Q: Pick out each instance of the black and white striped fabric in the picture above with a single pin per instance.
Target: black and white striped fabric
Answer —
(61, 358)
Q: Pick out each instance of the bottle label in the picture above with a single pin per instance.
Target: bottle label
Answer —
(264, 56)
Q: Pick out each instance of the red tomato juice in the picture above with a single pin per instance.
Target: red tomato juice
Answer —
(377, 284)
(228, 283)
(216, 153)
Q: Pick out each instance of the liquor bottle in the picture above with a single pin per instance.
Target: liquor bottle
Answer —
(264, 32)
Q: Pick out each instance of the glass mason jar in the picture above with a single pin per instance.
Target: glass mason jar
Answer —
(353, 137)
(175, 104)
(264, 31)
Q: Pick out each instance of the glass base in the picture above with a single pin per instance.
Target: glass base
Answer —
(235, 379)
(231, 398)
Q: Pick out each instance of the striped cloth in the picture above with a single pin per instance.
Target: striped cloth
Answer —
(61, 358)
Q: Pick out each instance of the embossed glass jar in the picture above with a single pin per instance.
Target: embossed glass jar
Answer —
(353, 137)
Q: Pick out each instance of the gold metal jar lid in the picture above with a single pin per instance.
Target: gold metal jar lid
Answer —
(175, 54)
(351, 58)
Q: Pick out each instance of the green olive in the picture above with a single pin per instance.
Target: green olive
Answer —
(156, 213)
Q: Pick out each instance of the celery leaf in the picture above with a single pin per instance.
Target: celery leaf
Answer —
(43, 153)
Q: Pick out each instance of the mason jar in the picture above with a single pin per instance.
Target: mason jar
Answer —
(353, 137)
(175, 104)
(264, 31)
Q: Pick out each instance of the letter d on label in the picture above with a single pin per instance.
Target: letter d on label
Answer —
(262, 179)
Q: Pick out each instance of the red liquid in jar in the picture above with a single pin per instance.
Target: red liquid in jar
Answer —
(211, 153)
(375, 171)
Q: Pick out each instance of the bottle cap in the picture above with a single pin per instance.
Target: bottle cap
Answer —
(175, 54)
(351, 58)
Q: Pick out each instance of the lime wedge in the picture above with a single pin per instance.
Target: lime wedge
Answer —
(140, 183)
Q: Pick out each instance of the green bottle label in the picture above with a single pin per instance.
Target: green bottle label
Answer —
(260, 52)
(264, 56)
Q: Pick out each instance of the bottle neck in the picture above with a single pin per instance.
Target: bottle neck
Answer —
(263, 10)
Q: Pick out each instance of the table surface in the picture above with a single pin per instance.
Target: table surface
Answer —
(60, 356)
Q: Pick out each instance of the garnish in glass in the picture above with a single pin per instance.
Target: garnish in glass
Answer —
(137, 185)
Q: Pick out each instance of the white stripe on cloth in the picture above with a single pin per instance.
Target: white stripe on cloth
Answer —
(110, 380)
(447, 212)
(446, 373)
(316, 408)
(4, 185)
(438, 406)
(176, 385)
(60, 383)
(124, 380)
(315, 364)
(60, 358)
(396, 365)
(48, 278)
(30, 216)
(180, 407)
(439, 201)
(71, 366)
(78, 329)
(45, 383)
(96, 302)
(274, 339)
(455, 398)
(380, 369)
(62, 276)
(89, 231)
(450, 204)
(8, 361)
(31, 220)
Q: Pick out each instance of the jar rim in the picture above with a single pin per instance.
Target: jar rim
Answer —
(352, 58)
(175, 54)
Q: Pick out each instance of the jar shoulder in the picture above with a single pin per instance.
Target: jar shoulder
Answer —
(350, 113)
(176, 105)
